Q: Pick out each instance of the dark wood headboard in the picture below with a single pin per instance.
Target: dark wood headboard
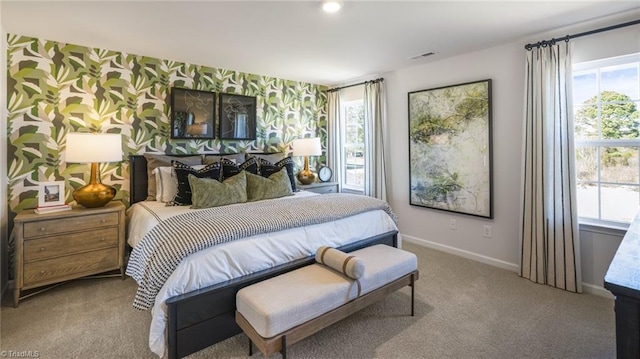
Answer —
(138, 182)
(137, 178)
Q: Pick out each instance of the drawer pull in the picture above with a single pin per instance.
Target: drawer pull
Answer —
(42, 272)
(103, 221)
(42, 249)
(42, 229)
(102, 239)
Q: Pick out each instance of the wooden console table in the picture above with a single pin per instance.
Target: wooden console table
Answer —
(623, 280)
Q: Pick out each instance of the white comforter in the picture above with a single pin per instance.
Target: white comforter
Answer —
(234, 259)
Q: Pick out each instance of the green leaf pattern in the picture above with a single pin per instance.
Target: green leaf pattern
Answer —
(55, 88)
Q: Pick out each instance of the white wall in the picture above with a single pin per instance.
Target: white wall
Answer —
(3, 161)
(353, 93)
(505, 66)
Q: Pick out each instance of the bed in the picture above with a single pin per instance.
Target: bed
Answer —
(197, 315)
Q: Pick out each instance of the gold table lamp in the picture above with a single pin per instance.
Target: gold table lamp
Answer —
(93, 148)
(306, 147)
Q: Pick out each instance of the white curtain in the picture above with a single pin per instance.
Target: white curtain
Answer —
(549, 226)
(375, 139)
(334, 134)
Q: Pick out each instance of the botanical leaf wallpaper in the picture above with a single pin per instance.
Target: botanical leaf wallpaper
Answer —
(55, 88)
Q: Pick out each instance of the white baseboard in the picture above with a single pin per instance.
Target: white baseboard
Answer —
(596, 290)
(586, 287)
(462, 253)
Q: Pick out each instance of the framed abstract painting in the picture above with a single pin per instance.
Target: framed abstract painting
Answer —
(192, 114)
(237, 117)
(450, 148)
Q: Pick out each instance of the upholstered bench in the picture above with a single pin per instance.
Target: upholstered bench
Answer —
(288, 308)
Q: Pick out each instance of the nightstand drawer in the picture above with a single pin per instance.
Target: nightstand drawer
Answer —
(55, 246)
(320, 187)
(70, 267)
(324, 190)
(63, 225)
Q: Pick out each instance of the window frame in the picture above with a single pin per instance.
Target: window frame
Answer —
(589, 222)
(349, 188)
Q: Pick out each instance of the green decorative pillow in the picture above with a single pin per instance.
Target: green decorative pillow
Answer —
(207, 192)
(275, 186)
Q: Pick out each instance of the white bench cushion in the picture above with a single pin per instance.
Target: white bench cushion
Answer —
(283, 302)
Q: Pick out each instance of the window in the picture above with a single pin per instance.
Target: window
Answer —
(353, 149)
(606, 98)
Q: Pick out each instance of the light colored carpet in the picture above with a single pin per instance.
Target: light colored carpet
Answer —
(464, 309)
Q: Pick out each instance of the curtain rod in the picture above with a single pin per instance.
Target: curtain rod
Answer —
(358, 84)
(545, 43)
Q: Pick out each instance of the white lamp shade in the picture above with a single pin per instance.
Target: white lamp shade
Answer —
(307, 147)
(93, 147)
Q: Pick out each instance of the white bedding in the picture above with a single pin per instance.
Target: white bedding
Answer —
(234, 259)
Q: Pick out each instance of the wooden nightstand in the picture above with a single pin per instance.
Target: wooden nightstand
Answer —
(56, 247)
(320, 187)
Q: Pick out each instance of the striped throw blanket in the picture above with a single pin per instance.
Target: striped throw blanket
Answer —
(161, 250)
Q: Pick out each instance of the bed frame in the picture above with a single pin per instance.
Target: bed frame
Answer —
(206, 316)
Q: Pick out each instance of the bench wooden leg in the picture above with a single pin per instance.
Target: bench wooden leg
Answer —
(250, 346)
(284, 347)
(413, 290)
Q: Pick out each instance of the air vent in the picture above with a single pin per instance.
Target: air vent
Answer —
(426, 54)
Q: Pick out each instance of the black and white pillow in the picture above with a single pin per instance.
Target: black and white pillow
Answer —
(182, 172)
(230, 169)
(212, 158)
(267, 168)
(271, 157)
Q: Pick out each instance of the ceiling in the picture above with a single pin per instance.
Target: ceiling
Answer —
(295, 39)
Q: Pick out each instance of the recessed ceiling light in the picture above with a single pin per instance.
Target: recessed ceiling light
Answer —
(331, 5)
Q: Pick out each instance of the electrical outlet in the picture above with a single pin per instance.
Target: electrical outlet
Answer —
(486, 231)
(453, 225)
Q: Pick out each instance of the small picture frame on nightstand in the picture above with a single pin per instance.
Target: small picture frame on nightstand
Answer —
(51, 194)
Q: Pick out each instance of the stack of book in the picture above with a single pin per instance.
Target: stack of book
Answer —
(51, 209)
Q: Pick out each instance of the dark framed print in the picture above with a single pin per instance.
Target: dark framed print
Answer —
(450, 154)
(193, 114)
(237, 117)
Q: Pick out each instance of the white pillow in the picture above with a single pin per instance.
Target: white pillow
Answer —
(166, 183)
